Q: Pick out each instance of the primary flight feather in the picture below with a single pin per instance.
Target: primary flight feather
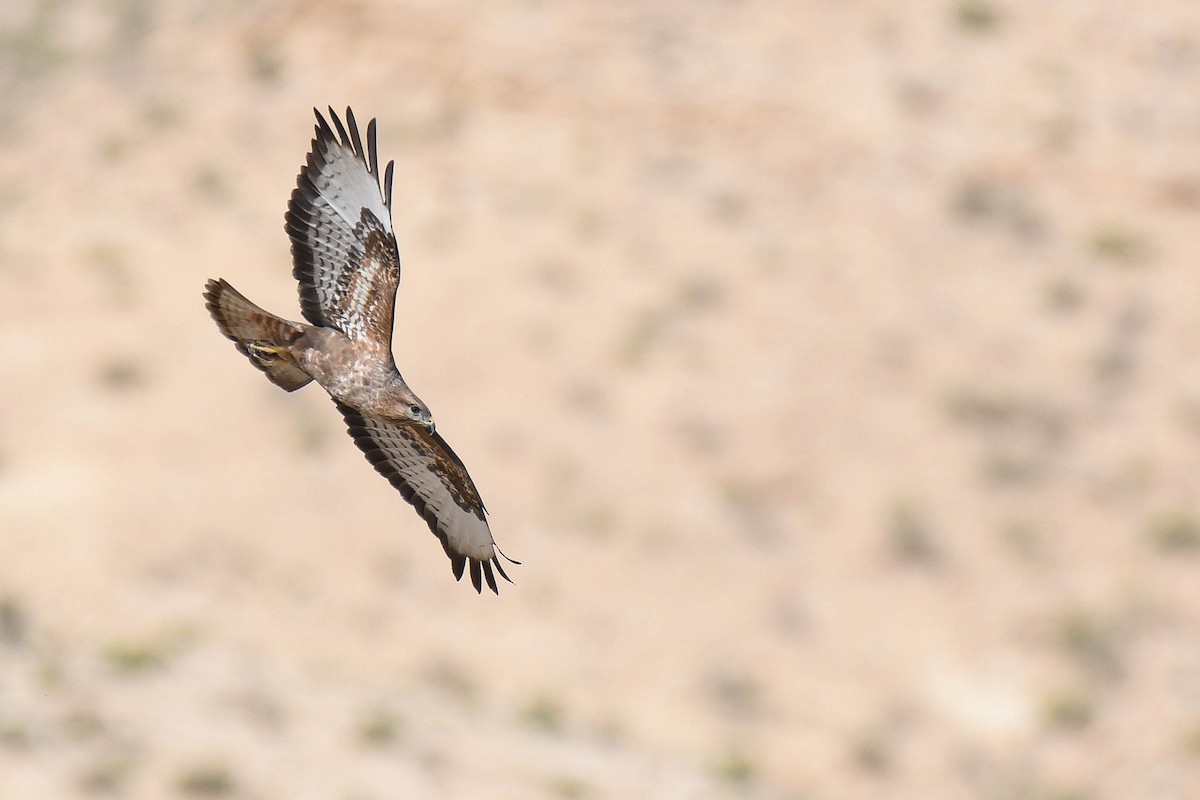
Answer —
(347, 266)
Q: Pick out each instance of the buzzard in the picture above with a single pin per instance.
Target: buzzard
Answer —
(345, 259)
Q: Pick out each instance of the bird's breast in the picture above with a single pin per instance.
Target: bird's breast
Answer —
(353, 372)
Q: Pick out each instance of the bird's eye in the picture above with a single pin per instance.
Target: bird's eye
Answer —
(415, 410)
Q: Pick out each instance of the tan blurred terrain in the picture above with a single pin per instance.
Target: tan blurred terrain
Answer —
(832, 367)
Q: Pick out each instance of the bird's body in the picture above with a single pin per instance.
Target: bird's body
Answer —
(357, 374)
(348, 269)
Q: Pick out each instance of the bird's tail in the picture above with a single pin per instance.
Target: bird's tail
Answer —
(261, 337)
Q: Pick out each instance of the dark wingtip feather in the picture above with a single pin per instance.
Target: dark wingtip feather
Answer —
(341, 129)
(355, 140)
(324, 132)
(348, 135)
(457, 565)
(476, 577)
(372, 150)
(491, 579)
(500, 569)
(506, 557)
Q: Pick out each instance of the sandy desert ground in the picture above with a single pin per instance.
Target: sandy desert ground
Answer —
(832, 367)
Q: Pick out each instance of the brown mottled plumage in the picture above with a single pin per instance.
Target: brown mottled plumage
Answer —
(348, 268)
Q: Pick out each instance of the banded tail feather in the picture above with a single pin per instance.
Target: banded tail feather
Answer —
(259, 335)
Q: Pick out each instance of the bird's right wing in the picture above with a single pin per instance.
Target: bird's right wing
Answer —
(340, 222)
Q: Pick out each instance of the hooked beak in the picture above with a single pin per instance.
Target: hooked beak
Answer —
(431, 425)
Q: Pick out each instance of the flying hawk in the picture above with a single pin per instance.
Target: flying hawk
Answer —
(345, 259)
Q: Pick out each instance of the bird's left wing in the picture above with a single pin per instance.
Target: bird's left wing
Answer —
(339, 219)
(434, 480)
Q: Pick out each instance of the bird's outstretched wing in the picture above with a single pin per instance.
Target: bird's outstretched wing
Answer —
(434, 480)
(340, 222)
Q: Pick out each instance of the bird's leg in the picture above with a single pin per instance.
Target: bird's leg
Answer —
(266, 352)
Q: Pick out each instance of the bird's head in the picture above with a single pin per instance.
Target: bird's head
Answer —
(417, 413)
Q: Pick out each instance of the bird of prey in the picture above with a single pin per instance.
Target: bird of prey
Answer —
(345, 259)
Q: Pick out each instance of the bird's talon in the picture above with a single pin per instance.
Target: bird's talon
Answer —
(265, 352)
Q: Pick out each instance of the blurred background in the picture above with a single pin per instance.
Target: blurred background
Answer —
(832, 368)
